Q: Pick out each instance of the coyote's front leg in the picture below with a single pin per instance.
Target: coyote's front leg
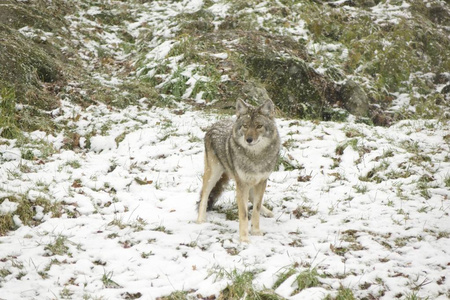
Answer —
(242, 194)
(258, 193)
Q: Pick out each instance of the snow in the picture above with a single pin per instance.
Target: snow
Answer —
(7, 207)
(161, 51)
(220, 55)
(191, 6)
(101, 143)
(220, 9)
(139, 195)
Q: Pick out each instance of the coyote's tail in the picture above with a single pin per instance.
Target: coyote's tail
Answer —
(216, 191)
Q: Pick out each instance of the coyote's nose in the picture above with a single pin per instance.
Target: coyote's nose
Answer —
(249, 140)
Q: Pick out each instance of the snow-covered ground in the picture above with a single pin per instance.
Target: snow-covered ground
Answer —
(347, 202)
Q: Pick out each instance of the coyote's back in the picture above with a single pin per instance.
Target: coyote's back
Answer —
(245, 150)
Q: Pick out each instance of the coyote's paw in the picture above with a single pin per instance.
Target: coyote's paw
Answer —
(266, 212)
(244, 239)
(201, 220)
(256, 232)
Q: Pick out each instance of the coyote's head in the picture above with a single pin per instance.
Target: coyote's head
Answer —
(254, 125)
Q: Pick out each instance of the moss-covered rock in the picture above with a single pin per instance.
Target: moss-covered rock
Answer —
(354, 98)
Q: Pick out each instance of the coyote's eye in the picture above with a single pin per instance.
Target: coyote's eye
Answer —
(245, 126)
(259, 126)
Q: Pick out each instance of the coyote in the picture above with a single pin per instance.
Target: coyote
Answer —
(247, 151)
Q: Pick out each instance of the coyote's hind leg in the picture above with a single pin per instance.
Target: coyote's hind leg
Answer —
(213, 172)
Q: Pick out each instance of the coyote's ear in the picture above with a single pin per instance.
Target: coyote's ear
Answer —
(241, 108)
(267, 108)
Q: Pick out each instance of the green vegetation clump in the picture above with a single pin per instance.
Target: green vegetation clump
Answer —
(8, 126)
(343, 294)
(26, 212)
(283, 277)
(306, 279)
(241, 286)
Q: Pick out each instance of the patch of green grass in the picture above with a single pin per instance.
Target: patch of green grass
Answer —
(193, 138)
(124, 94)
(176, 86)
(240, 18)
(351, 132)
(58, 247)
(334, 114)
(6, 223)
(349, 235)
(8, 125)
(345, 294)
(108, 282)
(447, 180)
(426, 106)
(27, 154)
(188, 47)
(443, 234)
(193, 23)
(241, 287)
(241, 284)
(162, 228)
(290, 143)
(411, 146)
(306, 279)
(304, 211)
(26, 211)
(117, 222)
(4, 273)
(404, 171)
(424, 209)
(288, 164)
(74, 164)
(231, 213)
(386, 153)
(146, 255)
(423, 185)
(361, 188)
(66, 293)
(339, 250)
(375, 175)
(414, 296)
(210, 87)
(401, 241)
(137, 225)
(284, 276)
(178, 295)
(341, 147)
